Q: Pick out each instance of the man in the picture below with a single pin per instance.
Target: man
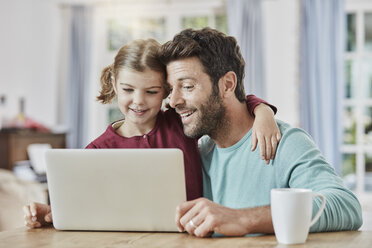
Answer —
(205, 70)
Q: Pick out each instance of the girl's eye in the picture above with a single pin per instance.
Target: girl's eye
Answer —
(188, 87)
(128, 90)
(152, 92)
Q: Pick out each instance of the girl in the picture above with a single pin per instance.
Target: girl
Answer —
(137, 79)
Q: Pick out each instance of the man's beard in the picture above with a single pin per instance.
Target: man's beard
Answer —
(210, 120)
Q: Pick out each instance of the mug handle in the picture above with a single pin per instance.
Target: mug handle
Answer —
(320, 211)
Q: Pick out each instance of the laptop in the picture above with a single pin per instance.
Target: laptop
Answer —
(115, 189)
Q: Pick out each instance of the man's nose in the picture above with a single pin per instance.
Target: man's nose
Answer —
(175, 98)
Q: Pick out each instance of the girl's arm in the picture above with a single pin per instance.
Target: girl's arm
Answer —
(37, 215)
(265, 131)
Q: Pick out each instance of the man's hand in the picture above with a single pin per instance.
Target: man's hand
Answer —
(202, 217)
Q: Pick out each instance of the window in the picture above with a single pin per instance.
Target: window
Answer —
(122, 31)
(119, 23)
(218, 21)
(357, 136)
(195, 22)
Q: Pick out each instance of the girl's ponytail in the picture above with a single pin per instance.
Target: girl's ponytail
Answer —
(107, 92)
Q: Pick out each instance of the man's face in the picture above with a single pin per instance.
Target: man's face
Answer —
(192, 97)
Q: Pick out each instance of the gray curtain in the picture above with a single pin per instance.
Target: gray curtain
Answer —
(244, 20)
(79, 72)
(322, 82)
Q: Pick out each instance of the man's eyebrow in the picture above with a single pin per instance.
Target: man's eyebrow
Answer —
(186, 77)
(182, 79)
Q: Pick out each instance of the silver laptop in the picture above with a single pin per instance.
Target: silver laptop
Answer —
(115, 189)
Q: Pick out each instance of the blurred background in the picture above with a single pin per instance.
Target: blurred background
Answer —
(310, 58)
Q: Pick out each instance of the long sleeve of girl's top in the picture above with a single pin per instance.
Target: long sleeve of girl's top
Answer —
(252, 101)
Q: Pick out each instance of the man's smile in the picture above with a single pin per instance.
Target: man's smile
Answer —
(186, 115)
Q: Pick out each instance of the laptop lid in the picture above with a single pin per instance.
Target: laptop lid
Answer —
(115, 189)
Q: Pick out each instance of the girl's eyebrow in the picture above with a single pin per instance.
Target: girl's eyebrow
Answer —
(125, 84)
(158, 87)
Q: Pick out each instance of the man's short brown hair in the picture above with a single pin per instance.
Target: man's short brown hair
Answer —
(217, 52)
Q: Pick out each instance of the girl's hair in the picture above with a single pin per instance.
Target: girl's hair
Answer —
(137, 55)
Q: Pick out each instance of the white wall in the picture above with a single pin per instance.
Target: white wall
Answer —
(28, 63)
(31, 42)
(282, 39)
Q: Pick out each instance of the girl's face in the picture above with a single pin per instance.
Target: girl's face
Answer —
(140, 96)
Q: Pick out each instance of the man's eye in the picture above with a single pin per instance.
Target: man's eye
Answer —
(188, 87)
(127, 89)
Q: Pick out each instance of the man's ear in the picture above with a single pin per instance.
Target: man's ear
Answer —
(227, 84)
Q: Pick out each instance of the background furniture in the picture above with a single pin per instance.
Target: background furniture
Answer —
(13, 144)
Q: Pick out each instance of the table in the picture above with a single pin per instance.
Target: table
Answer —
(49, 237)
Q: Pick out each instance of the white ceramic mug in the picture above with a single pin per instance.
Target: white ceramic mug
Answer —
(291, 211)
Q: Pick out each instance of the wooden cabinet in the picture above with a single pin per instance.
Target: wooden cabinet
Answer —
(13, 144)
